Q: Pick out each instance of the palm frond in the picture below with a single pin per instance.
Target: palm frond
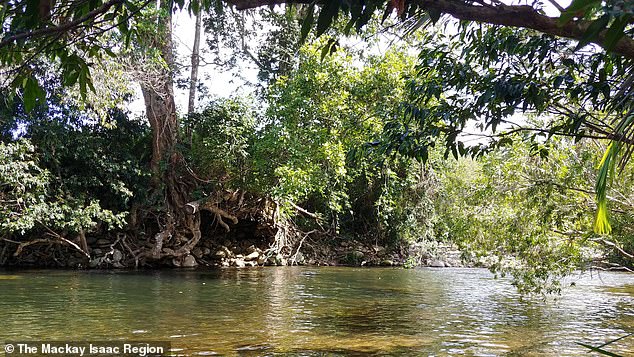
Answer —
(619, 151)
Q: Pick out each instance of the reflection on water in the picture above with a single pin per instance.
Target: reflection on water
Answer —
(312, 311)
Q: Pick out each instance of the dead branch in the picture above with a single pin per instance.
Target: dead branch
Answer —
(570, 233)
(618, 268)
(241, 200)
(192, 207)
(132, 253)
(293, 260)
(615, 246)
(56, 235)
(113, 244)
(222, 213)
(28, 243)
(304, 211)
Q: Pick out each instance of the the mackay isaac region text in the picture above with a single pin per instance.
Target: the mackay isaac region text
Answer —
(81, 349)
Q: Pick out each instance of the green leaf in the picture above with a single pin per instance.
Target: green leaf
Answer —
(616, 32)
(349, 25)
(325, 50)
(606, 170)
(307, 24)
(593, 30)
(32, 94)
(326, 16)
(434, 15)
(581, 4)
(575, 7)
(71, 68)
(195, 7)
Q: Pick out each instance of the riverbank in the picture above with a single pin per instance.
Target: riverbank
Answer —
(242, 252)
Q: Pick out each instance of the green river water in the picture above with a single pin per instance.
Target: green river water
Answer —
(311, 311)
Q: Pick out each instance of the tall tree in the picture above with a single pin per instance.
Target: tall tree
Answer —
(67, 32)
(195, 62)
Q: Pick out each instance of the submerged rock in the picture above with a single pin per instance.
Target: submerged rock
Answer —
(189, 262)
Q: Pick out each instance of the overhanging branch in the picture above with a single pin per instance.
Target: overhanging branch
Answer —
(65, 27)
(522, 16)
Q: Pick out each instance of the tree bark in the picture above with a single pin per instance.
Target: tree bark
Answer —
(161, 113)
(158, 94)
(167, 162)
(193, 79)
(522, 16)
(179, 231)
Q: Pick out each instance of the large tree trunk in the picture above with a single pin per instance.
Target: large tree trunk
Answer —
(179, 231)
(161, 113)
(158, 93)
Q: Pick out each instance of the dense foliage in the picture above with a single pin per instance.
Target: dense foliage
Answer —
(353, 144)
(63, 178)
(527, 214)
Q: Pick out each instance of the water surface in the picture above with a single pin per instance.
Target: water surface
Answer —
(318, 311)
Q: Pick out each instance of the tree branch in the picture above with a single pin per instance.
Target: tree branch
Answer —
(523, 16)
(47, 31)
(251, 4)
(304, 211)
(615, 246)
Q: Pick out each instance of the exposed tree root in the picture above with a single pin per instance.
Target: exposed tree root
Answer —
(196, 231)
(53, 238)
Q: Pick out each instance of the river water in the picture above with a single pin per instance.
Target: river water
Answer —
(306, 311)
